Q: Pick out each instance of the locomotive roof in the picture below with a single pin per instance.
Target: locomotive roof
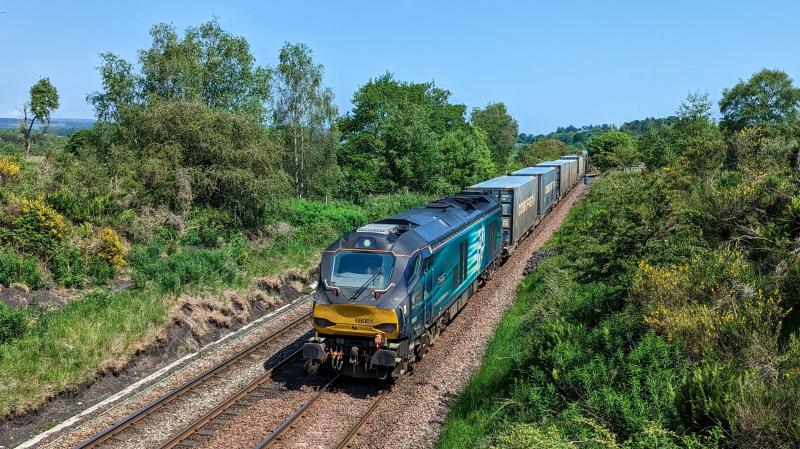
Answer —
(503, 182)
(530, 171)
(427, 225)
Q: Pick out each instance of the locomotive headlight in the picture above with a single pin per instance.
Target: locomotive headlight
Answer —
(387, 328)
(322, 322)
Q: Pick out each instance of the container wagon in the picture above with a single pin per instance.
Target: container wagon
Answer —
(548, 186)
(581, 163)
(518, 197)
(564, 178)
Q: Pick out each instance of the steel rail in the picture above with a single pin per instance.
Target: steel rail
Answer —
(230, 402)
(284, 426)
(152, 407)
(354, 431)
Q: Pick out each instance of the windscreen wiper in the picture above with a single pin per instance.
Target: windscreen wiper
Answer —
(366, 284)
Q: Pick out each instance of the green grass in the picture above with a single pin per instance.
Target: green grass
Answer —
(65, 349)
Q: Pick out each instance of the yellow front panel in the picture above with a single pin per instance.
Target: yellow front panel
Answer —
(355, 320)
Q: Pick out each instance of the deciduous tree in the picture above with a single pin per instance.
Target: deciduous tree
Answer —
(541, 150)
(768, 100)
(43, 101)
(206, 64)
(305, 115)
(501, 130)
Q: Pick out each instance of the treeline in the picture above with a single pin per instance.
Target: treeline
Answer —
(668, 315)
(580, 137)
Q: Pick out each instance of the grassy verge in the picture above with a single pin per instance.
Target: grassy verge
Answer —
(66, 348)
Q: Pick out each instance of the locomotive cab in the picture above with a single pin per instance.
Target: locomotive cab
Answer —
(361, 301)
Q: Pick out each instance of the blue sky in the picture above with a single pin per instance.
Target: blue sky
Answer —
(553, 63)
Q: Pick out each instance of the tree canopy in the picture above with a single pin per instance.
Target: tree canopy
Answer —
(207, 64)
(541, 150)
(768, 100)
(304, 113)
(501, 130)
(391, 140)
(43, 101)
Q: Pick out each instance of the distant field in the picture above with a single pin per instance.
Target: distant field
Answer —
(58, 126)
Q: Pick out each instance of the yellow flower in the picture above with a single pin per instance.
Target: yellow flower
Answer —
(8, 168)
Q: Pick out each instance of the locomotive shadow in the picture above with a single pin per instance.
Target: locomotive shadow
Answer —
(292, 376)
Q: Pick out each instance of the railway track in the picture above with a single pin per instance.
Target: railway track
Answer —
(277, 437)
(256, 350)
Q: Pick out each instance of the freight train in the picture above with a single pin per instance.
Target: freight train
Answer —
(387, 289)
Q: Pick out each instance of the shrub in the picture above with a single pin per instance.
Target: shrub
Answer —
(69, 267)
(36, 227)
(196, 268)
(18, 268)
(9, 170)
(110, 248)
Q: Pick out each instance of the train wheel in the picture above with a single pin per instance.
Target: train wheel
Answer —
(311, 367)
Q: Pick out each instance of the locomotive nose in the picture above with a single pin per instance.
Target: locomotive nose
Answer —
(355, 320)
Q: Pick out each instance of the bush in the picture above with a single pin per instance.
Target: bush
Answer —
(194, 268)
(69, 267)
(13, 323)
(18, 268)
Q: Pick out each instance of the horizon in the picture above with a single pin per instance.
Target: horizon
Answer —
(532, 58)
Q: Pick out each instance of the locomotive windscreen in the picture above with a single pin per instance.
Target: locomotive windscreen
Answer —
(353, 269)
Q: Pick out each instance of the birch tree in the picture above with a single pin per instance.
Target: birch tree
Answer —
(304, 113)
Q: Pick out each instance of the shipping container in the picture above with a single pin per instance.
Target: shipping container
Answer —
(564, 178)
(573, 171)
(547, 185)
(518, 197)
(581, 164)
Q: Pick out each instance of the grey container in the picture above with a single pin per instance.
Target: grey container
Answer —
(548, 185)
(564, 174)
(581, 163)
(518, 197)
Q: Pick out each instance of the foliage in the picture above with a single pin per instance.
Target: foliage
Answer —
(501, 130)
(305, 114)
(542, 150)
(207, 65)
(18, 268)
(667, 318)
(43, 101)
(466, 158)
(613, 149)
(189, 154)
(767, 100)
(390, 138)
(110, 248)
(9, 170)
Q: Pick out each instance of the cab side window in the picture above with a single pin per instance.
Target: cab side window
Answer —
(412, 276)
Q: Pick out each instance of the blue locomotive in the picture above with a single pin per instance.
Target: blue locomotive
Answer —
(387, 289)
